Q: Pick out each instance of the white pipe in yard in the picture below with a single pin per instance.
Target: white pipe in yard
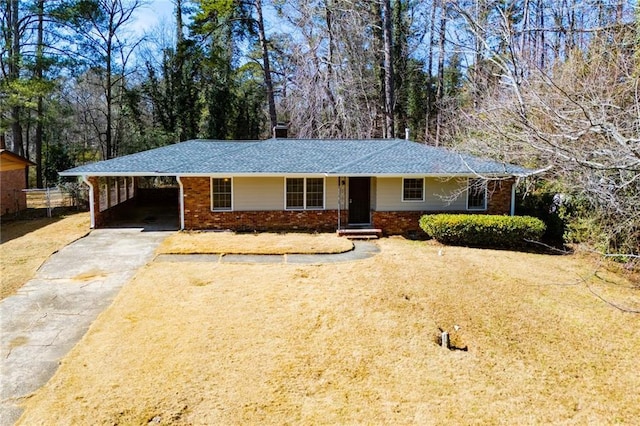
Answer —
(445, 339)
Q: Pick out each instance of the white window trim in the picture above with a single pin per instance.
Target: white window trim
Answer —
(304, 194)
(477, 209)
(211, 195)
(424, 190)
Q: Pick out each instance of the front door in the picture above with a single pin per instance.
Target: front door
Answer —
(359, 200)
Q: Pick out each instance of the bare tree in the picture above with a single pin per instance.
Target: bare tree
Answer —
(100, 27)
(577, 121)
(388, 69)
(268, 81)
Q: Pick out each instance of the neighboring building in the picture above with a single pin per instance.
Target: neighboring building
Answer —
(13, 181)
(305, 184)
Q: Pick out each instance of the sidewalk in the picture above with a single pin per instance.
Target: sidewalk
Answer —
(361, 250)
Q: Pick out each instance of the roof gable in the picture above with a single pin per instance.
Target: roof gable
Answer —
(297, 156)
(13, 161)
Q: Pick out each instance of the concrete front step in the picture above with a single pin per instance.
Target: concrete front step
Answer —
(360, 234)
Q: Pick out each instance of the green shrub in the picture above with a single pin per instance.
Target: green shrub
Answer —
(540, 202)
(483, 230)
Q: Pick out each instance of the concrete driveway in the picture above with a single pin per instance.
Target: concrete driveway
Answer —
(52, 312)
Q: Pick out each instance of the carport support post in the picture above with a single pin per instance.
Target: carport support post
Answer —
(181, 202)
(91, 202)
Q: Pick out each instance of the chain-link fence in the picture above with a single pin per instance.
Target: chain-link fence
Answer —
(62, 196)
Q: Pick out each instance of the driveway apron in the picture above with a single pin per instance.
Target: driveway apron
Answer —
(52, 312)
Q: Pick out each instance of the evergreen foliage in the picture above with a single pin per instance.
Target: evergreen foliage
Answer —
(483, 230)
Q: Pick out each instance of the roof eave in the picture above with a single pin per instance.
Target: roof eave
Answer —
(300, 174)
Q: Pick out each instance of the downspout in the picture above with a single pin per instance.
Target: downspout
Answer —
(513, 197)
(339, 201)
(181, 203)
(91, 205)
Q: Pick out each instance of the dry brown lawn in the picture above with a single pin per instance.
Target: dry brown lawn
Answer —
(259, 243)
(26, 244)
(355, 343)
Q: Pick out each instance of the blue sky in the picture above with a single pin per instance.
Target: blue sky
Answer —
(151, 14)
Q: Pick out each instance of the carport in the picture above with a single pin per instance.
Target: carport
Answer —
(149, 202)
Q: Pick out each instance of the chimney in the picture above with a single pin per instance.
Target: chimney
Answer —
(280, 130)
(3, 144)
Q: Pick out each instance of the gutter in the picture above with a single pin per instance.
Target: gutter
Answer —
(181, 202)
(492, 175)
(91, 202)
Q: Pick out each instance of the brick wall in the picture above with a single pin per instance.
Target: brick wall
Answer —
(12, 198)
(499, 196)
(406, 223)
(198, 214)
(103, 217)
(397, 223)
(273, 220)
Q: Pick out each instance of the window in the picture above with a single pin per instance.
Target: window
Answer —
(315, 193)
(304, 193)
(295, 193)
(477, 194)
(221, 194)
(413, 189)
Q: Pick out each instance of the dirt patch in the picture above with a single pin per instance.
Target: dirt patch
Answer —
(90, 275)
(26, 244)
(259, 243)
(202, 343)
(18, 341)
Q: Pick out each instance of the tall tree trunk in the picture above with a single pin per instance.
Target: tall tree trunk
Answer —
(479, 75)
(524, 37)
(388, 69)
(542, 43)
(400, 65)
(337, 117)
(179, 24)
(109, 100)
(428, 136)
(273, 118)
(14, 73)
(40, 111)
(379, 73)
(441, 52)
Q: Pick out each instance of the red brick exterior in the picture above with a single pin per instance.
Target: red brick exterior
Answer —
(397, 223)
(198, 214)
(273, 220)
(103, 217)
(406, 222)
(499, 196)
(13, 198)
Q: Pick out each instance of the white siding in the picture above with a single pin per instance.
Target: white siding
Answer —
(267, 193)
(388, 195)
(374, 193)
(261, 193)
(331, 193)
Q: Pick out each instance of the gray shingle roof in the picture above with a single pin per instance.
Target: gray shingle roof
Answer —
(369, 157)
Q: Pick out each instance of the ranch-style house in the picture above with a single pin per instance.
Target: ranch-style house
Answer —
(286, 184)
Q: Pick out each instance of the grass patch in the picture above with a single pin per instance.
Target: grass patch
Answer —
(260, 243)
(26, 244)
(202, 343)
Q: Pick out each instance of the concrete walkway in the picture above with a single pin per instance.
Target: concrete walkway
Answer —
(361, 250)
(52, 312)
